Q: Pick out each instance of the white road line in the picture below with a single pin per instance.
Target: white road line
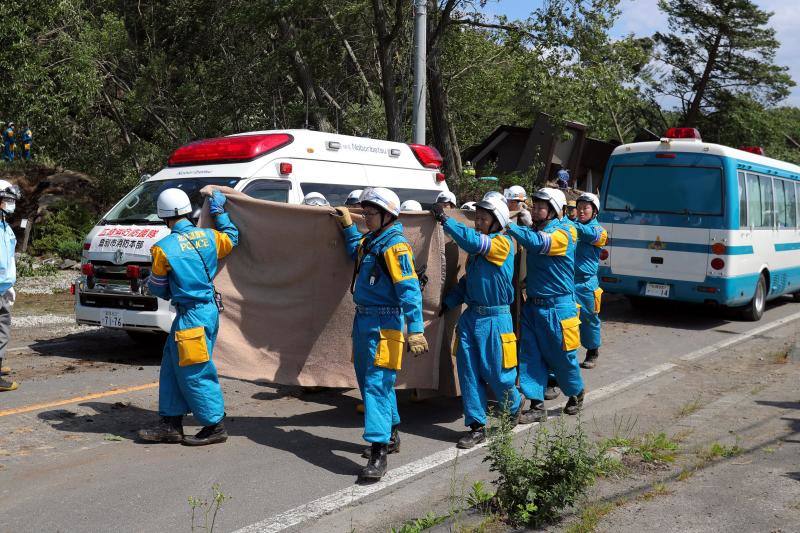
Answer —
(354, 493)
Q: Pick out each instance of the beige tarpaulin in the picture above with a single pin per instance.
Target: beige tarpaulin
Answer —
(288, 308)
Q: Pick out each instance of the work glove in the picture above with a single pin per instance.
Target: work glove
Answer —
(438, 213)
(11, 296)
(343, 216)
(524, 217)
(216, 203)
(417, 344)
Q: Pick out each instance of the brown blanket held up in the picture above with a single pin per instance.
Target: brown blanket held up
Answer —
(288, 308)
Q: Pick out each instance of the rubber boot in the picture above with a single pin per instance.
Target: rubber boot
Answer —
(394, 444)
(377, 464)
(208, 435)
(6, 386)
(169, 429)
(591, 358)
(574, 404)
(551, 392)
(537, 413)
(473, 437)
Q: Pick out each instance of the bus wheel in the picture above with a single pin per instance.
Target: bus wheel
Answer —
(796, 296)
(755, 309)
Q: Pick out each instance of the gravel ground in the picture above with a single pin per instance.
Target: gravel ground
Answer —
(58, 282)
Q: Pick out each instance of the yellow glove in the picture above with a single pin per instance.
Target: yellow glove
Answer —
(417, 344)
(343, 216)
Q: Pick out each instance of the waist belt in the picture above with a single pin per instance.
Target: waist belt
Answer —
(183, 307)
(584, 279)
(377, 310)
(493, 310)
(552, 301)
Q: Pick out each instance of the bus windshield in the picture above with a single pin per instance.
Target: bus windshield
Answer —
(665, 189)
(139, 206)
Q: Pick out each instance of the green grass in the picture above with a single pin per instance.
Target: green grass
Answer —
(689, 408)
(651, 447)
(717, 450)
(421, 524)
(590, 518)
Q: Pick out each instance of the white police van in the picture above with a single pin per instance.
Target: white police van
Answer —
(280, 166)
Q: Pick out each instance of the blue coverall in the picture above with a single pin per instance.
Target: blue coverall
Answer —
(8, 144)
(8, 265)
(387, 295)
(591, 238)
(549, 326)
(487, 344)
(27, 141)
(188, 382)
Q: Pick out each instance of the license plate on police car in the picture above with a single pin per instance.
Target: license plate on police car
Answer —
(112, 319)
(659, 290)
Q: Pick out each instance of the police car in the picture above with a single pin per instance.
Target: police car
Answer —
(279, 166)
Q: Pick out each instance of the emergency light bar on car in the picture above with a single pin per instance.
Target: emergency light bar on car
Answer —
(752, 149)
(428, 156)
(238, 149)
(683, 133)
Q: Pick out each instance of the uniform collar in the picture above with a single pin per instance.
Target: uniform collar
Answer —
(181, 225)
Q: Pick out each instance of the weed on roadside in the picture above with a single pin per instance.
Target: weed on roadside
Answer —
(207, 510)
(717, 450)
(421, 524)
(659, 489)
(590, 517)
(650, 447)
(689, 408)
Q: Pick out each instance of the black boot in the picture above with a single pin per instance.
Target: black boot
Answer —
(551, 392)
(574, 404)
(208, 435)
(169, 429)
(394, 444)
(377, 464)
(475, 435)
(591, 358)
(537, 413)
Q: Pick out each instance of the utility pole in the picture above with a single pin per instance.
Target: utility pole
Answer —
(420, 73)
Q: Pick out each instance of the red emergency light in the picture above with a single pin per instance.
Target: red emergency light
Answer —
(428, 156)
(752, 149)
(134, 271)
(683, 133)
(87, 269)
(238, 149)
(440, 177)
(285, 168)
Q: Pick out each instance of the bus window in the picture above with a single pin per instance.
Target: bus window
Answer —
(742, 202)
(767, 202)
(780, 201)
(791, 205)
(754, 201)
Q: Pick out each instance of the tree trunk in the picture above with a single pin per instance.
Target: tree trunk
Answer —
(694, 109)
(387, 45)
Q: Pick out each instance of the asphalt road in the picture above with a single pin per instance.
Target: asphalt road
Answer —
(68, 461)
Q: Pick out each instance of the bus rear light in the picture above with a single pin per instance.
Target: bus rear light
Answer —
(717, 263)
(752, 149)
(609, 279)
(440, 177)
(235, 149)
(87, 245)
(428, 156)
(285, 168)
(603, 254)
(665, 156)
(134, 271)
(72, 289)
(87, 269)
(718, 248)
(707, 289)
(683, 133)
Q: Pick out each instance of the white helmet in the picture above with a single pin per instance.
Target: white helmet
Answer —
(383, 198)
(352, 198)
(554, 197)
(494, 194)
(173, 203)
(515, 192)
(411, 205)
(498, 208)
(446, 197)
(591, 198)
(315, 198)
(9, 190)
(469, 206)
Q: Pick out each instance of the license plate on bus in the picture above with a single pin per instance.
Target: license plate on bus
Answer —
(112, 319)
(659, 290)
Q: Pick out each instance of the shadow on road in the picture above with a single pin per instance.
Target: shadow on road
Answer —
(101, 346)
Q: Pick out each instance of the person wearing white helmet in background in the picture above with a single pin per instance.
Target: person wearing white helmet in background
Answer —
(494, 194)
(549, 323)
(9, 194)
(183, 269)
(315, 199)
(515, 197)
(388, 300)
(487, 345)
(468, 206)
(447, 199)
(353, 198)
(591, 239)
(411, 205)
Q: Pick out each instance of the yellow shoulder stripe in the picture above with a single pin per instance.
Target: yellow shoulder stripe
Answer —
(559, 242)
(160, 263)
(498, 250)
(400, 262)
(223, 242)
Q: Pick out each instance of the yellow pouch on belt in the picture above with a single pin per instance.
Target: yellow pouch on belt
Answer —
(390, 349)
(509, 349)
(570, 329)
(598, 294)
(192, 348)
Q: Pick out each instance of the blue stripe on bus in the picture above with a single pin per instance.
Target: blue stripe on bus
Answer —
(677, 246)
(787, 246)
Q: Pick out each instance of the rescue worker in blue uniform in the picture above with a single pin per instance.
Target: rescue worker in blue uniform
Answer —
(9, 194)
(9, 142)
(549, 335)
(27, 143)
(184, 265)
(591, 239)
(487, 344)
(388, 299)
